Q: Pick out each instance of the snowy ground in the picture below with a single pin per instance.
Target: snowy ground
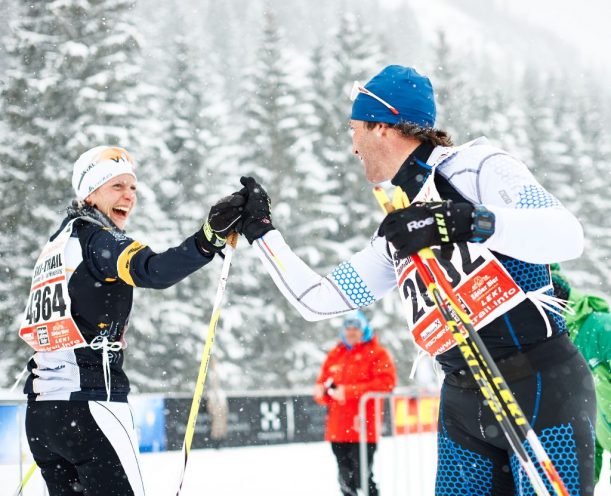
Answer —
(404, 468)
(284, 470)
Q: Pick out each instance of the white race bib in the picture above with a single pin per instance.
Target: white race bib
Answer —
(483, 286)
(48, 324)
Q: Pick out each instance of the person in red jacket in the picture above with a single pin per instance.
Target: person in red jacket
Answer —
(357, 365)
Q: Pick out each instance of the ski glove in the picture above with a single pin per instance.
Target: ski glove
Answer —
(223, 218)
(257, 217)
(436, 224)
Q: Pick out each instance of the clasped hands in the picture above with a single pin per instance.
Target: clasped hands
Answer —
(409, 230)
(247, 212)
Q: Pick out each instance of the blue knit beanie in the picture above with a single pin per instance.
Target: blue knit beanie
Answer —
(357, 319)
(402, 87)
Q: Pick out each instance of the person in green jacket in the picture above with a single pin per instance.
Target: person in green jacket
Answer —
(589, 324)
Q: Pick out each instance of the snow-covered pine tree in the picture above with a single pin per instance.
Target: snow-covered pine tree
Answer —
(575, 171)
(593, 111)
(315, 184)
(231, 28)
(261, 330)
(454, 95)
(354, 55)
(71, 86)
(175, 320)
(497, 112)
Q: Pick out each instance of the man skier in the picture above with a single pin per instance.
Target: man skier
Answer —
(495, 229)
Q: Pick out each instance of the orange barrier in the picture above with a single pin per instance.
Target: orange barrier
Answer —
(414, 414)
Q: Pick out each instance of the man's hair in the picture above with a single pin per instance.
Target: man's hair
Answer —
(428, 134)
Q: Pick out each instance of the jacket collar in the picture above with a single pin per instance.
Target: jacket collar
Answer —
(415, 170)
(79, 209)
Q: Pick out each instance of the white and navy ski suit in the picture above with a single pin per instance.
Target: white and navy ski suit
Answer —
(80, 440)
(544, 370)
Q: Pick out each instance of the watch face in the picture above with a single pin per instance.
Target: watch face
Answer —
(485, 224)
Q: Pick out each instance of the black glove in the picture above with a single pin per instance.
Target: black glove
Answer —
(223, 218)
(434, 224)
(257, 216)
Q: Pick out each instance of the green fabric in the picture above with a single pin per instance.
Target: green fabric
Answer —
(590, 329)
(589, 324)
(583, 306)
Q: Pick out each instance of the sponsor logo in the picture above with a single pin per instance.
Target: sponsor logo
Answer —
(114, 154)
(479, 281)
(419, 224)
(506, 198)
(43, 335)
(100, 182)
(441, 227)
(433, 327)
(84, 173)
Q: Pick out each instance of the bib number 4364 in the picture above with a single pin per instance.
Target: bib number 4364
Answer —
(45, 303)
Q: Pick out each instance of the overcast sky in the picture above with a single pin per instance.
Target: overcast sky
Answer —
(585, 24)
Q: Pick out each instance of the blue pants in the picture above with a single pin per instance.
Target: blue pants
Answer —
(553, 386)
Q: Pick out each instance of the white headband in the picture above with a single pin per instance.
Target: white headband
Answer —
(97, 166)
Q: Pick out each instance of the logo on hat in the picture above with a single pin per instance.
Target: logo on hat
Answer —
(87, 169)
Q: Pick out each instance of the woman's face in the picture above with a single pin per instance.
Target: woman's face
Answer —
(115, 198)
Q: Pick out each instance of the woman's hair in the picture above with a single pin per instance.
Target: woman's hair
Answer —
(435, 136)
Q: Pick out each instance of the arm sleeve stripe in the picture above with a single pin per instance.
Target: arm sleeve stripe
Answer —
(124, 262)
(479, 171)
(291, 292)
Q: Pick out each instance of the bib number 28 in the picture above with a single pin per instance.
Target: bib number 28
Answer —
(415, 291)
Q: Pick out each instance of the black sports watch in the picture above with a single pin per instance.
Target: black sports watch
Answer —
(482, 226)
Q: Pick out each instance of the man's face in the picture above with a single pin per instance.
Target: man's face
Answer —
(353, 335)
(115, 198)
(368, 145)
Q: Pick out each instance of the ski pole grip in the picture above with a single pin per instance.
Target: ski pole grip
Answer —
(388, 207)
(383, 199)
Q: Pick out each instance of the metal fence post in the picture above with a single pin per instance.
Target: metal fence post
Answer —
(418, 417)
(363, 468)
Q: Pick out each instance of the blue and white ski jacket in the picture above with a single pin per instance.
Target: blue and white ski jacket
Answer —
(532, 230)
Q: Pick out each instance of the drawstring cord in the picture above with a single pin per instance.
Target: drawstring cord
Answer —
(550, 303)
(419, 356)
(102, 343)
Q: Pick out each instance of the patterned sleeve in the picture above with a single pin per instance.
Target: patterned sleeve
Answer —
(531, 224)
(358, 282)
